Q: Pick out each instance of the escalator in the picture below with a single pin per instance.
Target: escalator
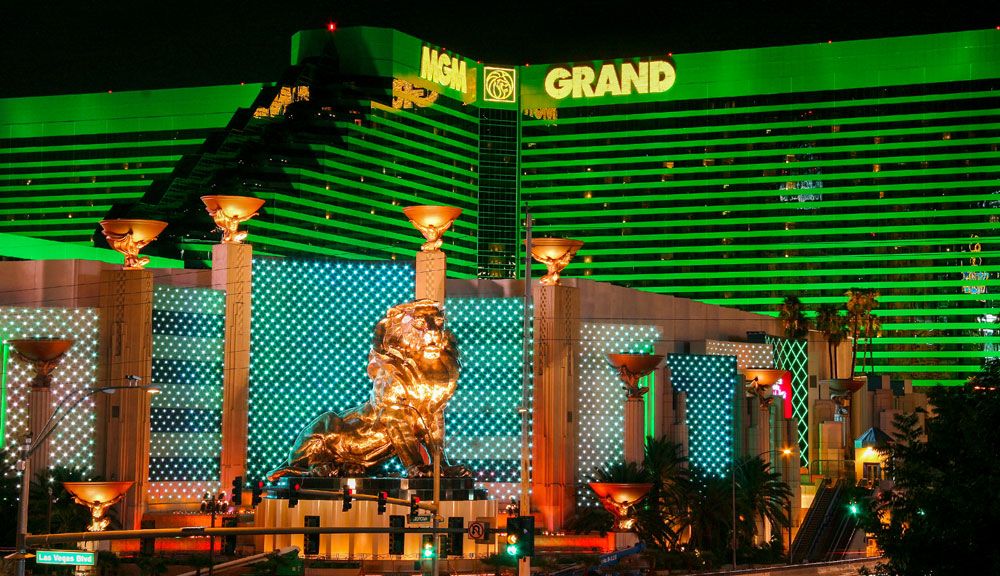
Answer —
(829, 526)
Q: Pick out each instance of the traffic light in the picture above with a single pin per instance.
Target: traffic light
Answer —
(414, 506)
(256, 494)
(427, 548)
(383, 498)
(347, 499)
(853, 508)
(521, 536)
(237, 496)
(293, 493)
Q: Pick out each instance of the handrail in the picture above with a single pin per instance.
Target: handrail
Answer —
(822, 494)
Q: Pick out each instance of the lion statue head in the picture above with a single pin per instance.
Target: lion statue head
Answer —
(414, 357)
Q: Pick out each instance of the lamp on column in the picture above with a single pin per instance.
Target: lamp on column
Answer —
(128, 236)
(556, 254)
(229, 211)
(433, 222)
(98, 496)
(43, 354)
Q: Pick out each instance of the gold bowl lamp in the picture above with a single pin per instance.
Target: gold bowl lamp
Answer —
(620, 499)
(433, 222)
(128, 236)
(229, 211)
(98, 496)
(632, 368)
(555, 253)
(43, 354)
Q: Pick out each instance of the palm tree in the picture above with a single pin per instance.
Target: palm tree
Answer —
(710, 513)
(792, 315)
(664, 515)
(834, 328)
(621, 472)
(52, 508)
(861, 322)
(761, 494)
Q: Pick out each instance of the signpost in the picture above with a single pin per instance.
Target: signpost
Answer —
(479, 531)
(65, 557)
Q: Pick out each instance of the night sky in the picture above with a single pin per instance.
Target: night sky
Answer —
(89, 46)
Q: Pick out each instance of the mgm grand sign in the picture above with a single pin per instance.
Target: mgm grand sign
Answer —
(609, 79)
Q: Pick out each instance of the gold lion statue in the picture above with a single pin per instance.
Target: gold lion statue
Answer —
(414, 367)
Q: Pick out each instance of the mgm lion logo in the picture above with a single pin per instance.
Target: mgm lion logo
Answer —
(414, 367)
(499, 84)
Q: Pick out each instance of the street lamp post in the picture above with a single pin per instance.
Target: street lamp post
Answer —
(31, 445)
(214, 505)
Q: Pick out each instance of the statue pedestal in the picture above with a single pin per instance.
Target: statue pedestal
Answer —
(126, 348)
(431, 271)
(231, 272)
(459, 499)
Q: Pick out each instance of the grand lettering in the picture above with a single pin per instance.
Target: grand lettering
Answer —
(444, 69)
(623, 79)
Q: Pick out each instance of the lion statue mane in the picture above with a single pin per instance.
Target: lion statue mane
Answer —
(413, 366)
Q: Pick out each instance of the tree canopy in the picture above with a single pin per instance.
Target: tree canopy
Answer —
(941, 515)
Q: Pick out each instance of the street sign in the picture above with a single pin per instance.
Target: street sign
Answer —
(420, 519)
(65, 557)
(478, 531)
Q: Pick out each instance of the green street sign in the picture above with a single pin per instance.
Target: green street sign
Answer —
(65, 557)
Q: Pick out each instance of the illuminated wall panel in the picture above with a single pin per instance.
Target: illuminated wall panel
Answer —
(793, 355)
(710, 384)
(748, 354)
(601, 409)
(72, 443)
(312, 330)
(186, 417)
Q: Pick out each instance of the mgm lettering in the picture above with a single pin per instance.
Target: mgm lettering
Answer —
(612, 79)
(444, 69)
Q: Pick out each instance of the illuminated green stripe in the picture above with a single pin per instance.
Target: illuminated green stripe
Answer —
(937, 339)
(71, 197)
(800, 273)
(89, 173)
(681, 183)
(920, 382)
(411, 116)
(718, 195)
(74, 208)
(877, 203)
(819, 104)
(776, 165)
(928, 147)
(784, 139)
(71, 186)
(883, 229)
(49, 221)
(940, 325)
(104, 146)
(806, 218)
(925, 368)
(809, 246)
(65, 232)
(879, 284)
(824, 122)
(91, 161)
(937, 354)
(787, 261)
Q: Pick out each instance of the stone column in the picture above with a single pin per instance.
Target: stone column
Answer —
(231, 271)
(431, 269)
(126, 348)
(635, 430)
(554, 435)
(40, 410)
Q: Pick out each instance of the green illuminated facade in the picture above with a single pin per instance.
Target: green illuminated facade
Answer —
(735, 178)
